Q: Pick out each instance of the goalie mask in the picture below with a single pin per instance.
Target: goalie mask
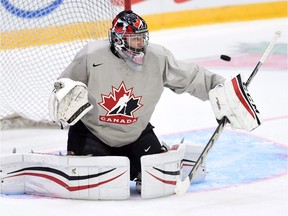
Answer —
(129, 37)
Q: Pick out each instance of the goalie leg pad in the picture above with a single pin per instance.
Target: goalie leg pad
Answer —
(160, 173)
(10, 163)
(75, 177)
(191, 156)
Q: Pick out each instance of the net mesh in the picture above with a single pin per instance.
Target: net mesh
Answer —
(38, 40)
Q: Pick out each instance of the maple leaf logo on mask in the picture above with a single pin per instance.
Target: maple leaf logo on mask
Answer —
(120, 105)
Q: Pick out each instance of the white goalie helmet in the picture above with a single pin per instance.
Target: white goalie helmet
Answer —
(129, 37)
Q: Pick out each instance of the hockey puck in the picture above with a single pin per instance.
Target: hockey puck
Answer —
(225, 58)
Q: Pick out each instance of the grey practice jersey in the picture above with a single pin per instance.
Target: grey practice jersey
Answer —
(124, 99)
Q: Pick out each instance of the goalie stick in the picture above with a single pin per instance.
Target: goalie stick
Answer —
(182, 186)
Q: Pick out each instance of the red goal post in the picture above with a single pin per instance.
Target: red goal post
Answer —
(38, 40)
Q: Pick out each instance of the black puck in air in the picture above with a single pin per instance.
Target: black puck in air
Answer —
(225, 58)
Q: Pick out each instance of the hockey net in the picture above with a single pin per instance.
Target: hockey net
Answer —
(38, 40)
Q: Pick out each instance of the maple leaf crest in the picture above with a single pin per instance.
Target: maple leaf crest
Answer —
(120, 105)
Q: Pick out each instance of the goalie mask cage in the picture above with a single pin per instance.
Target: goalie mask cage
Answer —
(38, 41)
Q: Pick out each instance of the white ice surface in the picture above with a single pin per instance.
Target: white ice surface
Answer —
(176, 113)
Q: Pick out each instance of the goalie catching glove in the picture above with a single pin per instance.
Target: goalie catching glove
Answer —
(233, 100)
(68, 102)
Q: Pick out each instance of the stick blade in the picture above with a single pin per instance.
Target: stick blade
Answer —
(182, 186)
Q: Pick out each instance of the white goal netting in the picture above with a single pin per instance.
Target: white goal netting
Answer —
(38, 40)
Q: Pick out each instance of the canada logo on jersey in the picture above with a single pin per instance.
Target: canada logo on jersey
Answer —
(120, 105)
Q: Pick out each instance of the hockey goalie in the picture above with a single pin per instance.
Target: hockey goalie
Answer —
(106, 97)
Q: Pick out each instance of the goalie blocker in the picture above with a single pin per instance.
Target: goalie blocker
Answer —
(233, 100)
